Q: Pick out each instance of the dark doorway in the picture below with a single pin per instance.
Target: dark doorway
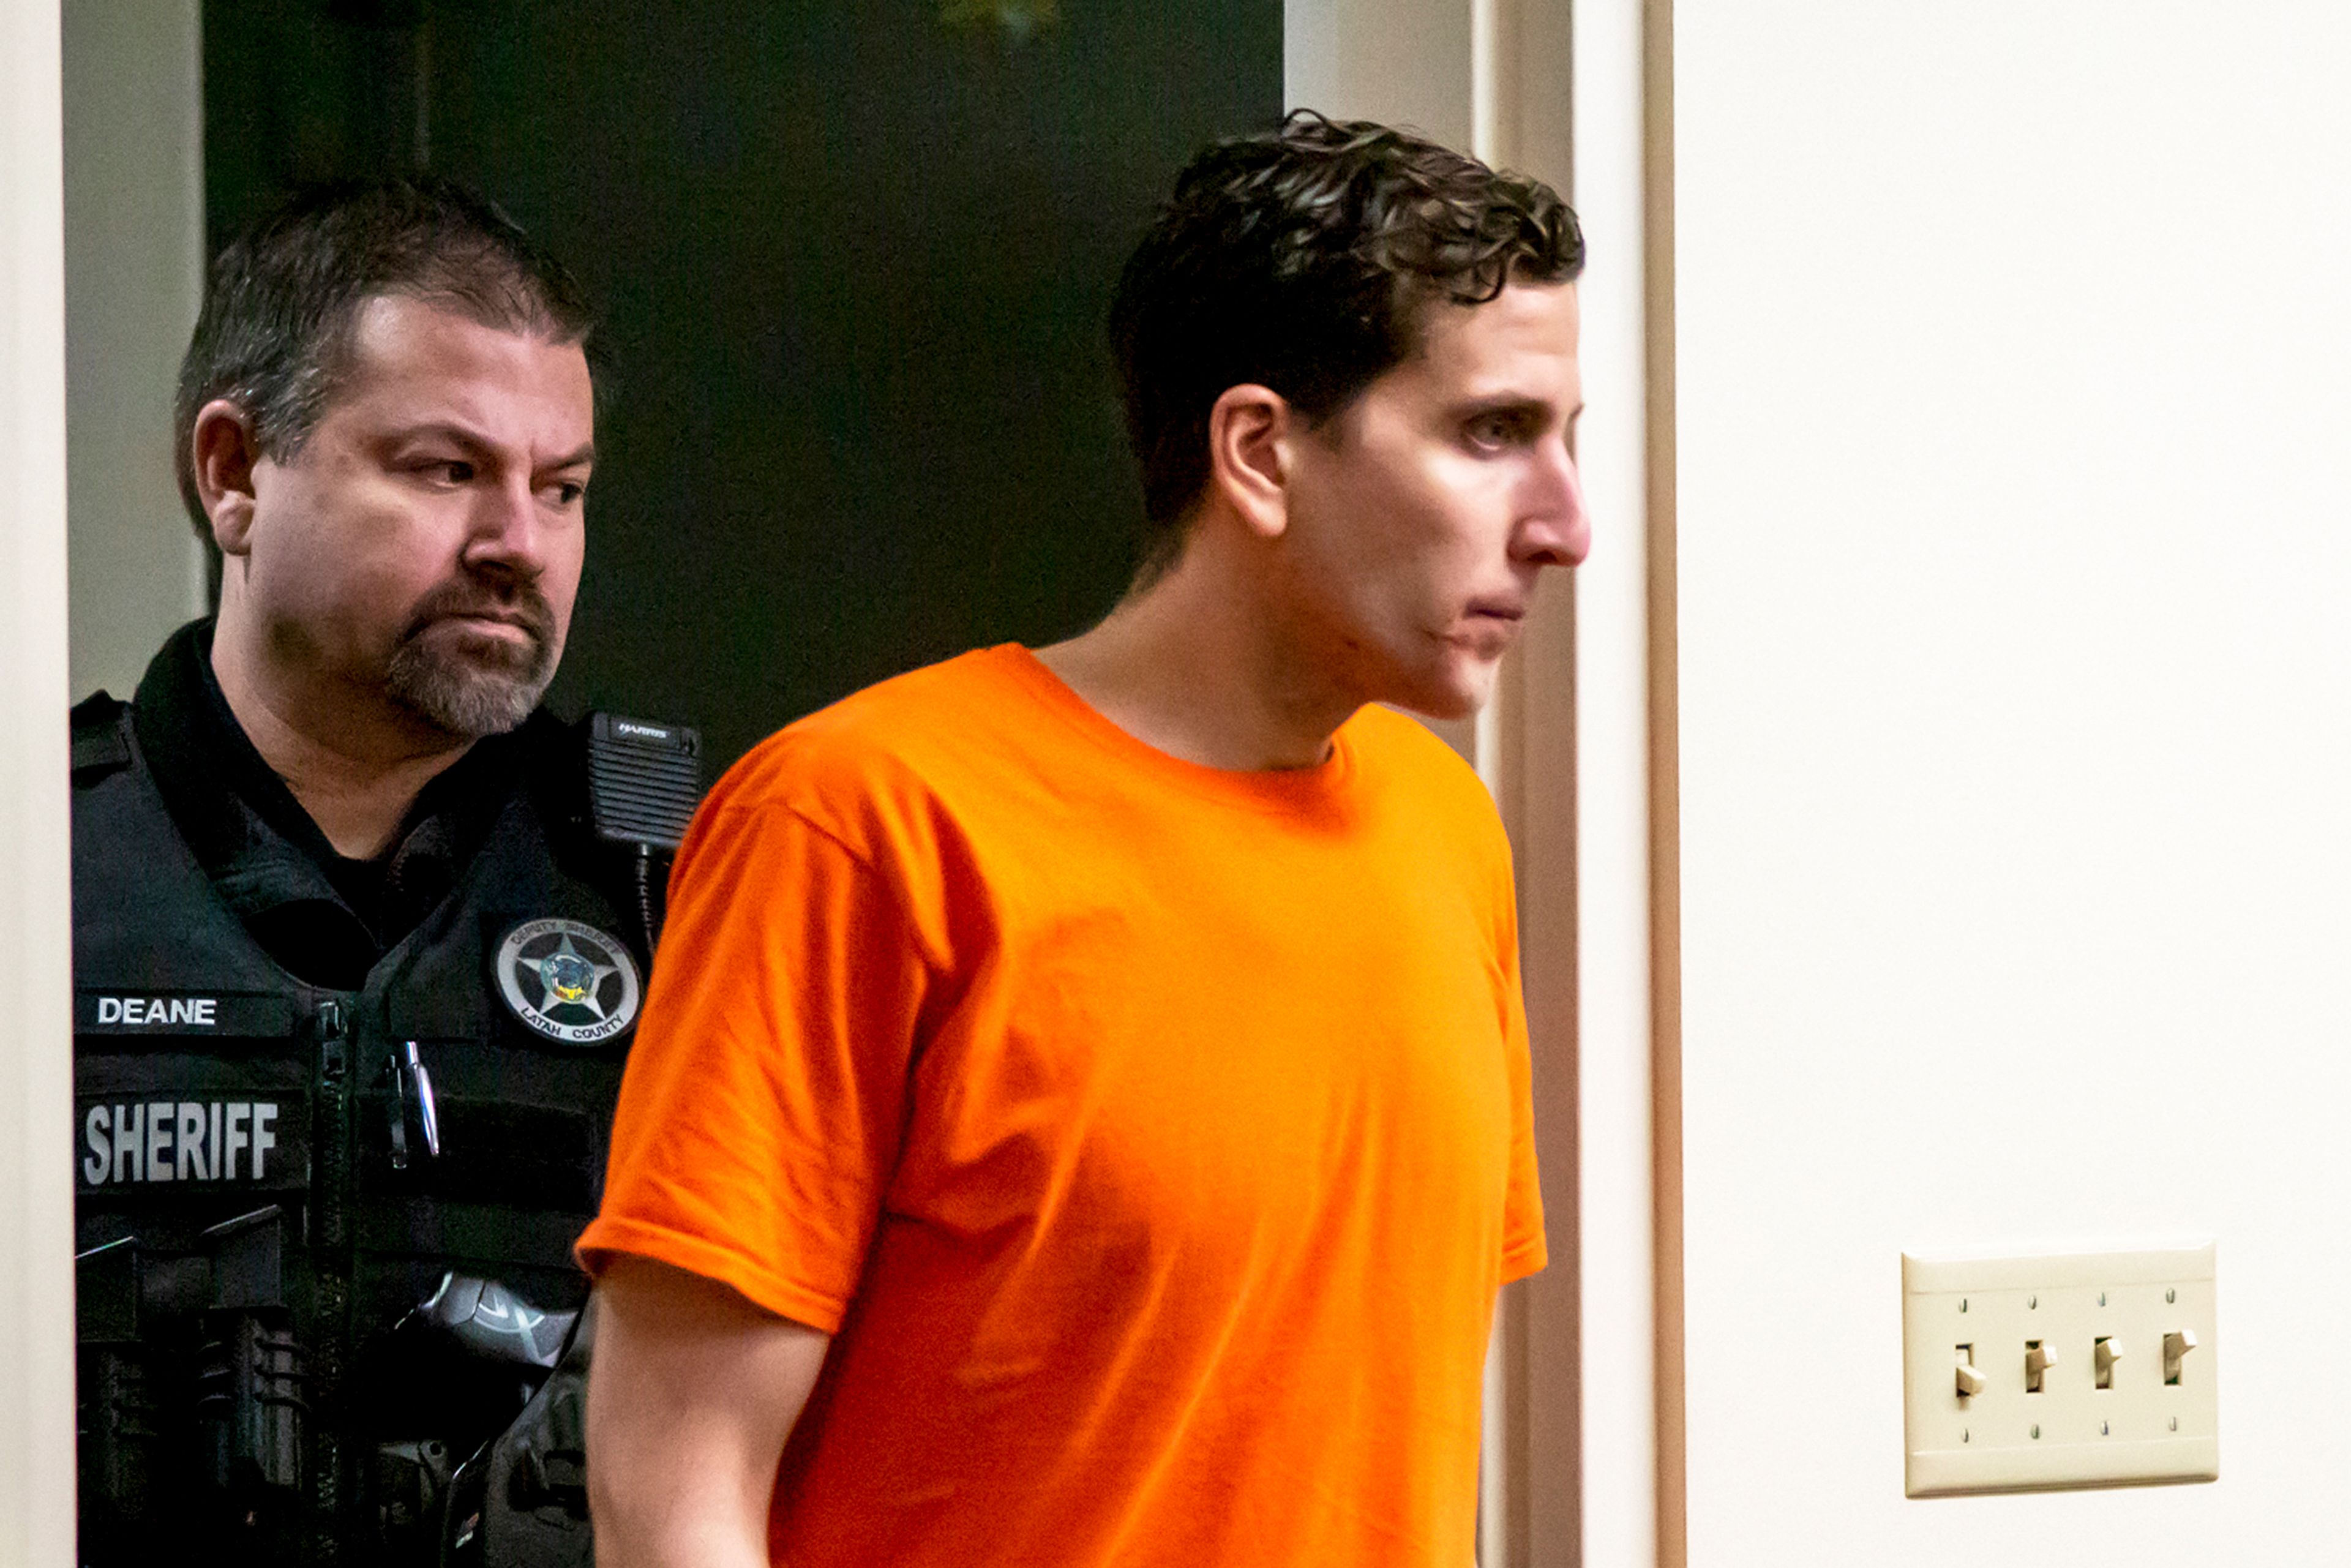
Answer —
(853, 256)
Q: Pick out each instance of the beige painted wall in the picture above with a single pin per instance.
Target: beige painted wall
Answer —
(99, 181)
(2015, 713)
(36, 1417)
(134, 260)
(1406, 62)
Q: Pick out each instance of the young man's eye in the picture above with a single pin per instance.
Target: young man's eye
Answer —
(567, 493)
(447, 470)
(1493, 432)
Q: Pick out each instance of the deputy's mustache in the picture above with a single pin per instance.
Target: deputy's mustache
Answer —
(521, 605)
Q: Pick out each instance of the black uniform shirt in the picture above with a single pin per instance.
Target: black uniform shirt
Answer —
(323, 916)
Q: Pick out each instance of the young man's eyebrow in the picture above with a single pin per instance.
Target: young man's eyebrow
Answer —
(1511, 403)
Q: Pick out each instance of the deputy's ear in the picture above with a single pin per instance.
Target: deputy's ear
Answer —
(225, 453)
(1250, 429)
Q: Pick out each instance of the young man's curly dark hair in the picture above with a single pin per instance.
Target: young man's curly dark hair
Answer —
(1303, 259)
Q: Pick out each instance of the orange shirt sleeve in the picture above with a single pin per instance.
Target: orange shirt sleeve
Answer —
(760, 1113)
(1524, 1251)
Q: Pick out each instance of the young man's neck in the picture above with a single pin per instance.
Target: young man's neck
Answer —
(353, 761)
(1195, 665)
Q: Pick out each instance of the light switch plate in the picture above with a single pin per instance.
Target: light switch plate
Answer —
(2143, 1426)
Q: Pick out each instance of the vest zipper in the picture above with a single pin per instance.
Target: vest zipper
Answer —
(330, 1187)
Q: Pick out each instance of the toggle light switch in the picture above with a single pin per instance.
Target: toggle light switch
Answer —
(2014, 1376)
(2176, 1346)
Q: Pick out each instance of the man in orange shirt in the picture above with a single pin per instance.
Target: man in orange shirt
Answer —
(1081, 1114)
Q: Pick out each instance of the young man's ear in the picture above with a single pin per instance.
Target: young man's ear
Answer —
(224, 451)
(1250, 429)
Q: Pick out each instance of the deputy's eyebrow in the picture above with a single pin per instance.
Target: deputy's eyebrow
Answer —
(477, 444)
(440, 429)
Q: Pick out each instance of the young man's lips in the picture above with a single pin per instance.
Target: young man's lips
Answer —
(1488, 629)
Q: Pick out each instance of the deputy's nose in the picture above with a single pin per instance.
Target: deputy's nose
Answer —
(509, 531)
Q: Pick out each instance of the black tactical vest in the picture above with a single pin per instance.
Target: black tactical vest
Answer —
(273, 1181)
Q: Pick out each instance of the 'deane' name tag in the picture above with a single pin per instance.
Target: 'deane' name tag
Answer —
(245, 1014)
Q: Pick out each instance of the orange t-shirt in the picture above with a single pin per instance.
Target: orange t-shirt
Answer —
(1153, 1138)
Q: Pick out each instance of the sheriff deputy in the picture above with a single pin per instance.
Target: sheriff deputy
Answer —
(355, 973)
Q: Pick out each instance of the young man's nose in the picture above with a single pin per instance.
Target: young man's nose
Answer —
(1554, 530)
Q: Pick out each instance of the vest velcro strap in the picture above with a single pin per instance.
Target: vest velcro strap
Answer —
(99, 743)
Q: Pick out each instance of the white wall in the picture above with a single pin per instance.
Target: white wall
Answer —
(37, 1417)
(1611, 801)
(2015, 357)
(134, 261)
